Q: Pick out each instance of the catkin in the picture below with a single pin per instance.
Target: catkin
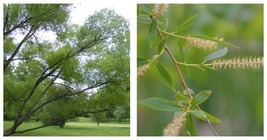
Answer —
(174, 127)
(239, 63)
(159, 10)
(142, 70)
(201, 43)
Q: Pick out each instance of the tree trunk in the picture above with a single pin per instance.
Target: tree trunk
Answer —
(97, 123)
(62, 124)
(9, 131)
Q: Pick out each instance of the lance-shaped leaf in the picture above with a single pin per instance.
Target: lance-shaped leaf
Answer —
(160, 104)
(165, 75)
(185, 24)
(145, 8)
(142, 60)
(200, 97)
(202, 115)
(180, 97)
(190, 128)
(190, 90)
(161, 45)
(198, 114)
(212, 118)
(216, 54)
(144, 18)
(152, 31)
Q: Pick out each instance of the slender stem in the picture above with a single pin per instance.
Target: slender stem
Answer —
(182, 78)
(172, 34)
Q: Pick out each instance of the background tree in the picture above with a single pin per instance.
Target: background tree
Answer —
(98, 117)
(122, 112)
(81, 58)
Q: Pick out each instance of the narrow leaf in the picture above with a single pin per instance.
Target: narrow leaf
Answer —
(185, 24)
(181, 49)
(200, 97)
(190, 90)
(144, 18)
(216, 40)
(198, 114)
(212, 118)
(190, 128)
(161, 45)
(152, 31)
(160, 104)
(141, 60)
(216, 54)
(165, 75)
(145, 8)
(180, 97)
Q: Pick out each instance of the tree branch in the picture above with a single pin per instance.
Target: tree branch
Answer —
(26, 37)
(70, 117)
(182, 78)
(23, 131)
(65, 95)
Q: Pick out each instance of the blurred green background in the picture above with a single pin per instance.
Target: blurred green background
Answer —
(237, 95)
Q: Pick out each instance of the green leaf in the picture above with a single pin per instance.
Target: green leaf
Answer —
(200, 97)
(179, 96)
(160, 104)
(190, 128)
(144, 18)
(185, 24)
(152, 31)
(142, 60)
(165, 75)
(216, 40)
(212, 118)
(145, 8)
(216, 54)
(161, 45)
(198, 114)
(190, 90)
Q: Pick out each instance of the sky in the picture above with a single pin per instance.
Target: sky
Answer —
(83, 10)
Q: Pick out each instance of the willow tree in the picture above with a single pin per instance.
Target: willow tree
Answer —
(81, 58)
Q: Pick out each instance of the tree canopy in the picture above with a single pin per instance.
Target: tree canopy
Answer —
(58, 80)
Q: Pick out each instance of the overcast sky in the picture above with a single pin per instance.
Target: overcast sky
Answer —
(83, 10)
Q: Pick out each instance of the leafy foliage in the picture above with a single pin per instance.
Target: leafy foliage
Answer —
(59, 80)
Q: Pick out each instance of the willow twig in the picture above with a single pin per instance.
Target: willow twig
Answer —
(182, 78)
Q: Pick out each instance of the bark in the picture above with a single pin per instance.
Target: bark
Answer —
(61, 124)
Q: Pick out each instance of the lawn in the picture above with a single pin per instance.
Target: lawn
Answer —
(75, 128)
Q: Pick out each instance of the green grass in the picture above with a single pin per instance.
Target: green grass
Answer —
(75, 128)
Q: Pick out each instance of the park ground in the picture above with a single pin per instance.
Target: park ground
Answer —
(81, 127)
